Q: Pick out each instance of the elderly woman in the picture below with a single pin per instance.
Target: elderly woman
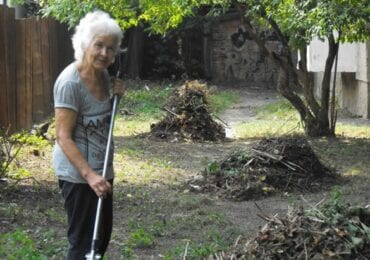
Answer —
(82, 116)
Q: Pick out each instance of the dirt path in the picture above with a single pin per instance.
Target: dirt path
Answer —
(243, 111)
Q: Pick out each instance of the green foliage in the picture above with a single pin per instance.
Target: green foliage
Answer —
(198, 251)
(347, 221)
(335, 209)
(48, 242)
(66, 11)
(71, 11)
(16, 2)
(13, 146)
(18, 173)
(161, 15)
(140, 238)
(9, 150)
(213, 168)
(127, 252)
(18, 245)
(28, 139)
(301, 21)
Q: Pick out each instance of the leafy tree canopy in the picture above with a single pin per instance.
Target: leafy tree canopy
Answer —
(161, 15)
(299, 20)
(302, 20)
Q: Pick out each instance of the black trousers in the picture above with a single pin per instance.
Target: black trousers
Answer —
(80, 202)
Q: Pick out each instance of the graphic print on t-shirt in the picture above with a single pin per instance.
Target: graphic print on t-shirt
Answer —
(96, 128)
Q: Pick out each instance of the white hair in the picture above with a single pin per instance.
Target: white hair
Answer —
(94, 24)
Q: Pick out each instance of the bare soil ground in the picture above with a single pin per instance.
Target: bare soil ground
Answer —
(164, 204)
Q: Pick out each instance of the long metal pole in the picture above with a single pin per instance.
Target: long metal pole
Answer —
(92, 255)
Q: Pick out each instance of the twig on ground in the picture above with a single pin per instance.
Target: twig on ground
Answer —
(171, 112)
(186, 250)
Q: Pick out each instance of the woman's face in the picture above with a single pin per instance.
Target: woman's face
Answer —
(100, 53)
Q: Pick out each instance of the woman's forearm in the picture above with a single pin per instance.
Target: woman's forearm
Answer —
(75, 156)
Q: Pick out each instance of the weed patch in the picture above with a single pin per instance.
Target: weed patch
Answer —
(18, 245)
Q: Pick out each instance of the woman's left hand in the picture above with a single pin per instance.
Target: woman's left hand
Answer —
(119, 87)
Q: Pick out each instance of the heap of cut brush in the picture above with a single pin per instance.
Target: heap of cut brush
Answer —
(270, 166)
(188, 116)
(334, 230)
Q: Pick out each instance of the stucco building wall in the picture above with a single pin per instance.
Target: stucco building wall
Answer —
(353, 88)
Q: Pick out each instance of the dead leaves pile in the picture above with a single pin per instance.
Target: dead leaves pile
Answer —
(330, 231)
(271, 165)
(188, 116)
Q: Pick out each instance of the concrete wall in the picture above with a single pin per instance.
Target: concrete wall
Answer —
(317, 51)
(363, 78)
(353, 89)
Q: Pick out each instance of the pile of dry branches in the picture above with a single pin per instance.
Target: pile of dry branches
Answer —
(330, 231)
(188, 116)
(271, 165)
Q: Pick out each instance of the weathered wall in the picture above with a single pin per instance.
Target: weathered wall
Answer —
(233, 57)
(353, 89)
(355, 97)
(363, 80)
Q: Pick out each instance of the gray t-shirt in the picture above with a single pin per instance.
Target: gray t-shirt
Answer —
(92, 126)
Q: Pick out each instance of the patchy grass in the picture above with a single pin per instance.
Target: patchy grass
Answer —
(162, 218)
(279, 110)
(281, 118)
(154, 216)
(267, 128)
(18, 245)
(352, 131)
(222, 100)
(135, 168)
(271, 120)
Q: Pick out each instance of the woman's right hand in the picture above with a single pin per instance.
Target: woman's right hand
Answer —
(99, 185)
(119, 87)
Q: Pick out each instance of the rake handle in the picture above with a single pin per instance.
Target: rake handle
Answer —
(92, 255)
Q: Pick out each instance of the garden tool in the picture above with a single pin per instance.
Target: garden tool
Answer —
(92, 255)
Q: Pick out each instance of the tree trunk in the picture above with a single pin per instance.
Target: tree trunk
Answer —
(314, 115)
(283, 86)
(325, 84)
(133, 61)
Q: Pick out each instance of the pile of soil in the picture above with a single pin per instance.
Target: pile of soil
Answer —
(272, 165)
(332, 231)
(188, 116)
